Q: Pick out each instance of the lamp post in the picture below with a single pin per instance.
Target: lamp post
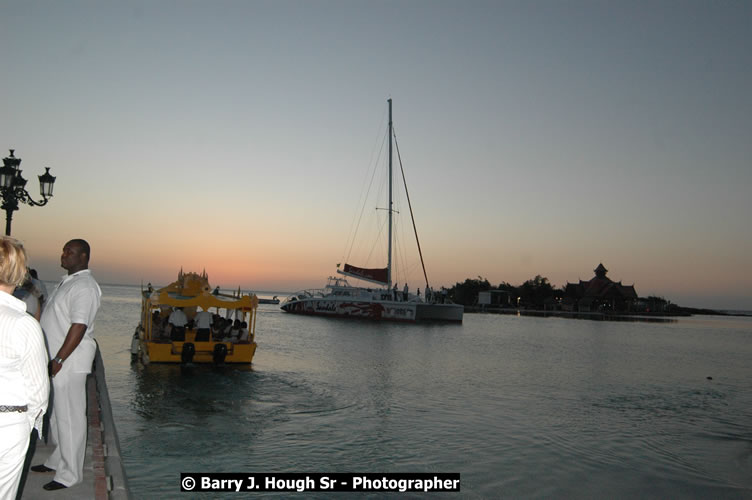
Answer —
(13, 188)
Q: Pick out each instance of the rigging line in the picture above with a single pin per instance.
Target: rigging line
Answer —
(397, 257)
(401, 252)
(359, 217)
(363, 194)
(373, 246)
(407, 194)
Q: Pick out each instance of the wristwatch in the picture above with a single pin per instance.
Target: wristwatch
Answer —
(58, 360)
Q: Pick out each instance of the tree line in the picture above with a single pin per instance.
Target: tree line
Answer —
(533, 293)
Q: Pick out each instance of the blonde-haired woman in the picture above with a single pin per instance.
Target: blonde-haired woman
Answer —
(24, 383)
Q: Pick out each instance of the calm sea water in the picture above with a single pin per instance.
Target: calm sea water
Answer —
(520, 406)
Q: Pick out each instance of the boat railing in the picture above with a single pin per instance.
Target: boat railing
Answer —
(312, 293)
(151, 332)
(353, 292)
(317, 293)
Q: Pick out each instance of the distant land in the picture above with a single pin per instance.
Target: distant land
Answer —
(599, 294)
(679, 310)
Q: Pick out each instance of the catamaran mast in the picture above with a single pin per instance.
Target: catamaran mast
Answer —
(389, 261)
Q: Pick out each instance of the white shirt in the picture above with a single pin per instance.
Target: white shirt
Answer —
(75, 300)
(203, 319)
(177, 318)
(32, 303)
(41, 287)
(23, 361)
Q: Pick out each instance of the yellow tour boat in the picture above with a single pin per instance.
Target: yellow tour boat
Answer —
(169, 331)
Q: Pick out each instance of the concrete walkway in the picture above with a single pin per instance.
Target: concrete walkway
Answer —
(104, 477)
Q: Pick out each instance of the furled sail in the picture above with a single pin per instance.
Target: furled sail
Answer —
(373, 275)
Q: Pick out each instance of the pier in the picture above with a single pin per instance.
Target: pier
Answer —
(104, 474)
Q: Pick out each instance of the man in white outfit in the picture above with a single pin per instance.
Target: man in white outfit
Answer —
(203, 321)
(68, 321)
(177, 320)
(24, 385)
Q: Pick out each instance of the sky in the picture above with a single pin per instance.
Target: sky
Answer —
(537, 137)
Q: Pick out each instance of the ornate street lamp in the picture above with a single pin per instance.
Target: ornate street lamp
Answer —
(13, 188)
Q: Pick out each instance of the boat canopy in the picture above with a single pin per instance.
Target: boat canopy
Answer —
(379, 275)
(204, 301)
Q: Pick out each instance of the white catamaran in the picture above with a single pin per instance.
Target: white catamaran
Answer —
(383, 302)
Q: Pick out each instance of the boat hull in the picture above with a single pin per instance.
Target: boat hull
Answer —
(172, 351)
(440, 312)
(408, 312)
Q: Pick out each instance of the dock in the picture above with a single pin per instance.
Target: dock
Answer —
(104, 474)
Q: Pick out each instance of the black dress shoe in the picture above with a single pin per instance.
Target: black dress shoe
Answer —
(41, 468)
(53, 485)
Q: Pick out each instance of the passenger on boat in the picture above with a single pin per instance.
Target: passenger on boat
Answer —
(236, 332)
(215, 326)
(177, 320)
(404, 293)
(157, 326)
(227, 328)
(203, 323)
(221, 328)
(243, 332)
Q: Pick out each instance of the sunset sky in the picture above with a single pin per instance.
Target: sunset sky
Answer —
(538, 137)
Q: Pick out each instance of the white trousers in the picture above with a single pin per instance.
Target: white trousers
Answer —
(68, 426)
(13, 446)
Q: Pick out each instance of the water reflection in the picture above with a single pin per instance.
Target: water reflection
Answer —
(531, 406)
(595, 316)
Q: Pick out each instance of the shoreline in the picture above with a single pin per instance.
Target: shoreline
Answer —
(607, 316)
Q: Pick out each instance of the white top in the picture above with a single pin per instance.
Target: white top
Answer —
(32, 303)
(40, 286)
(23, 362)
(75, 300)
(203, 319)
(177, 318)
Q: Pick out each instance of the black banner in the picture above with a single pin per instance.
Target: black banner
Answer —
(301, 482)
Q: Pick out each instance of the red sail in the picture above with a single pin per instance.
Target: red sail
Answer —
(375, 275)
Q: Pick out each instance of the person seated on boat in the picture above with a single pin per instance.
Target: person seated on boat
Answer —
(243, 337)
(203, 323)
(234, 332)
(177, 320)
(165, 327)
(220, 329)
(157, 328)
(216, 326)
(227, 328)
